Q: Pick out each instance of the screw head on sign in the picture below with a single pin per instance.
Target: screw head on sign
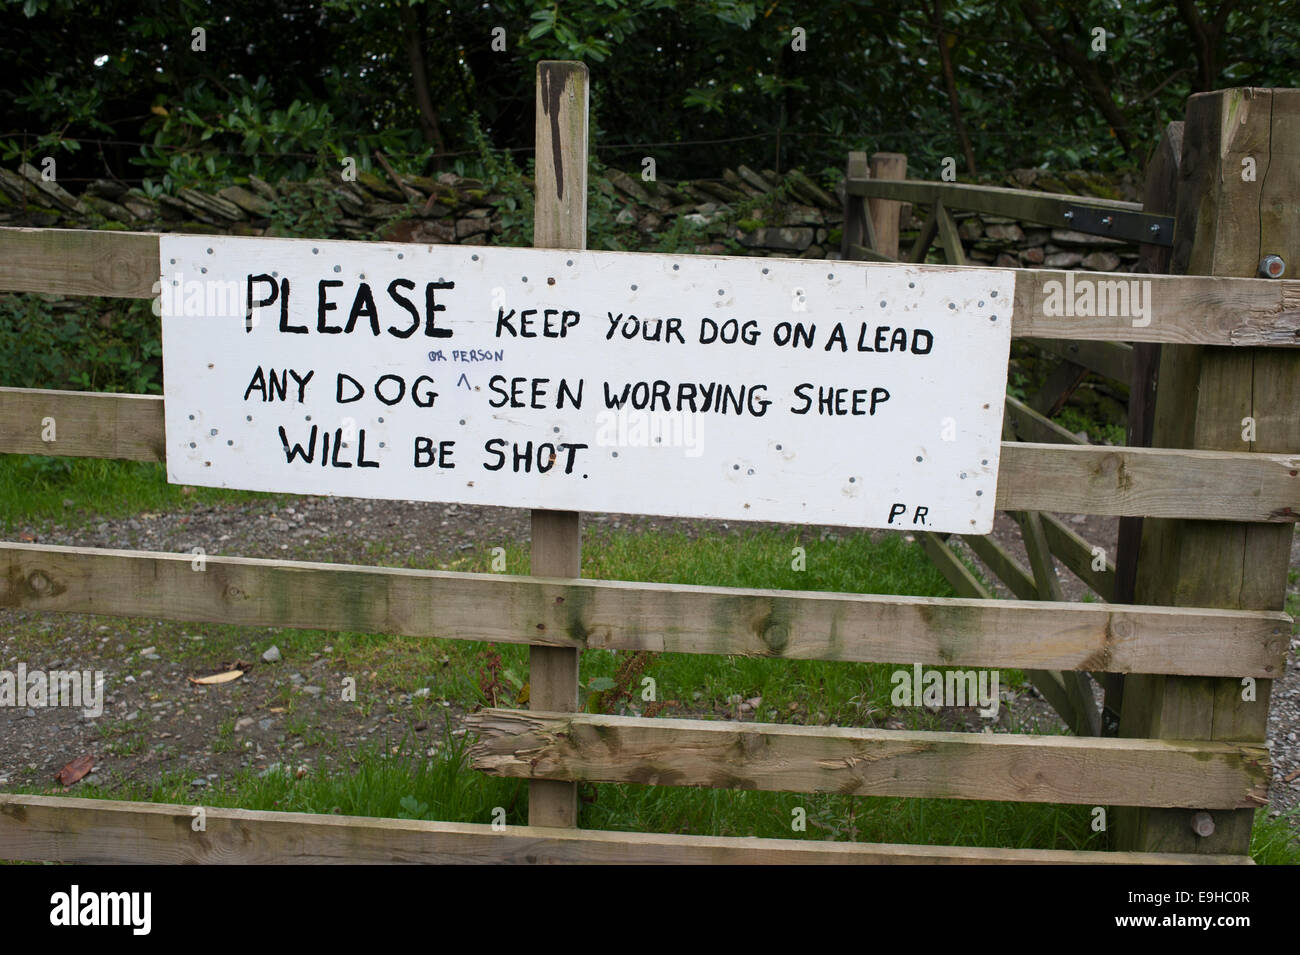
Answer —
(1272, 267)
(1155, 227)
(1069, 215)
(1105, 220)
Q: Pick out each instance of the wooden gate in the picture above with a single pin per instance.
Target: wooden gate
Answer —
(1220, 514)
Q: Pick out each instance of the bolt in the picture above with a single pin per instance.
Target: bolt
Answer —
(1203, 824)
(1105, 220)
(1272, 267)
(1155, 228)
(1069, 215)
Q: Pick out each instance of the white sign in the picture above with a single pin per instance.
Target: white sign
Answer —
(763, 389)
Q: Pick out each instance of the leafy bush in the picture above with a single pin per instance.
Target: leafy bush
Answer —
(81, 345)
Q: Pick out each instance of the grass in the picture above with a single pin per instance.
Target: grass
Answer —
(373, 782)
(74, 491)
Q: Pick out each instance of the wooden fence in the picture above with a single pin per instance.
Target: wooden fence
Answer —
(1212, 580)
(873, 193)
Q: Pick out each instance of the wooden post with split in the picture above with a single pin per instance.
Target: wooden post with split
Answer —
(1238, 180)
(559, 222)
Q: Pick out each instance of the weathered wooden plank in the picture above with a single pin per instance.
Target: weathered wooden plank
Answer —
(1033, 476)
(1009, 570)
(1028, 425)
(81, 424)
(954, 571)
(796, 625)
(858, 229)
(868, 762)
(79, 262)
(1155, 482)
(1208, 310)
(949, 236)
(67, 829)
(1050, 683)
(884, 212)
(1226, 223)
(1112, 360)
(1078, 709)
(553, 671)
(559, 222)
(925, 238)
(1076, 553)
(1047, 208)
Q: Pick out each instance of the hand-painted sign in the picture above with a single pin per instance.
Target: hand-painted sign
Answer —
(826, 392)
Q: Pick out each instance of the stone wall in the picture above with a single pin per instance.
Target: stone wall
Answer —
(747, 211)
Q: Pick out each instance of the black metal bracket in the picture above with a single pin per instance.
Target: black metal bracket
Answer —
(1128, 226)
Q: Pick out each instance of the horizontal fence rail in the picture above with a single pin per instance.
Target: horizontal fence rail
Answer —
(1090, 214)
(1008, 767)
(796, 625)
(1140, 482)
(68, 829)
(1192, 310)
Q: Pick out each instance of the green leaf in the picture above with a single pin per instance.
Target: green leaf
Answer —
(600, 684)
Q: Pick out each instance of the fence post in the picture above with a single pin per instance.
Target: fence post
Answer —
(886, 213)
(1238, 187)
(857, 222)
(559, 222)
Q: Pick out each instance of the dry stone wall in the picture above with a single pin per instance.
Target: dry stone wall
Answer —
(747, 212)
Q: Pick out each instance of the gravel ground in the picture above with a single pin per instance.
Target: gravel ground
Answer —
(156, 720)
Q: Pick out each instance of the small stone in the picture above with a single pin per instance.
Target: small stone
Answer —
(1063, 260)
(243, 723)
(198, 782)
(1101, 261)
(312, 690)
(272, 655)
(265, 725)
(1005, 233)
